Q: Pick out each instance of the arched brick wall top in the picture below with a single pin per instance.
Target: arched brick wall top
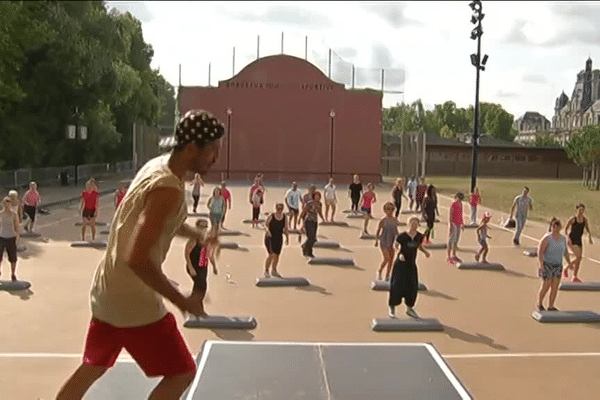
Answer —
(281, 72)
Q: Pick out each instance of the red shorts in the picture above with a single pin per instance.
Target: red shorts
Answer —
(158, 348)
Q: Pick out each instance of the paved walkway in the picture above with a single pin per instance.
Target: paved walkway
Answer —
(56, 195)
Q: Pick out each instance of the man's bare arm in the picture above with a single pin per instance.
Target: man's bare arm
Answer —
(159, 207)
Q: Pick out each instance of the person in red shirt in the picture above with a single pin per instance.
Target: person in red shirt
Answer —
(31, 202)
(455, 225)
(227, 198)
(89, 208)
(474, 200)
(120, 194)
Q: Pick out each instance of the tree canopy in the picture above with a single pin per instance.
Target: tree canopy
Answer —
(449, 121)
(62, 56)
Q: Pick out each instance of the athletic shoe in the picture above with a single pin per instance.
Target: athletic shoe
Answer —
(411, 312)
(576, 280)
(392, 312)
(276, 274)
(516, 242)
(566, 273)
(379, 275)
(477, 257)
(540, 308)
(426, 242)
(267, 275)
(450, 261)
(552, 309)
(456, 259)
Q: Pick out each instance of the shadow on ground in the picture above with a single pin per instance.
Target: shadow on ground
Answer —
(315, 289)
(435, 293)
(233, 334)
(477, 338)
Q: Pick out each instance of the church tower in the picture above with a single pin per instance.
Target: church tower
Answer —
(586, 98)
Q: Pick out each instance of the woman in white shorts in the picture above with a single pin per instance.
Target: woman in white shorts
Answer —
(330, 199)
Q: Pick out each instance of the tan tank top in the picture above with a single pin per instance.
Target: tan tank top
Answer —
(118, 296)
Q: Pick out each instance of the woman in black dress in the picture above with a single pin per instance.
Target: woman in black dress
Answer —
(276, 227)
(574, 229)
(405, 280)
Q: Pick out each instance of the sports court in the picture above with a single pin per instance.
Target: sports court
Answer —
(316, 340)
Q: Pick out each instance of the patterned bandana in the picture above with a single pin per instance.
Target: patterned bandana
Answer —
(198, 126)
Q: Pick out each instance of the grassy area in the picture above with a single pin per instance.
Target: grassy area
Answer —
(550, 197)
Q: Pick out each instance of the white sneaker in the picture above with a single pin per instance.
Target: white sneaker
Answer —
(267, 275)
(411, 312)
(392, 312)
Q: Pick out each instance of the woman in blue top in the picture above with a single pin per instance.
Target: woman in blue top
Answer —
(552, 249)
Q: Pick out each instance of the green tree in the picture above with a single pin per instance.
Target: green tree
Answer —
(584, 149)
(545, 140)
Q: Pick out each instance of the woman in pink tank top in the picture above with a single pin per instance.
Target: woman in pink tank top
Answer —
(368, 198)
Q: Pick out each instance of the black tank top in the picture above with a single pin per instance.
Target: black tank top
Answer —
(577, 230)
(276, 226)
(195, 255)
(397, 193)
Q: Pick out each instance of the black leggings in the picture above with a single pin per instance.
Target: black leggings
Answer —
(196, 199)
(429, 229)
(255, 213)
(30, 211)
(355, 201)
(403, 284)
(311, 237)
(398, 205)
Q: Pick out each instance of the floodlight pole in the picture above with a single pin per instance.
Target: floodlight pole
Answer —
(478, 63)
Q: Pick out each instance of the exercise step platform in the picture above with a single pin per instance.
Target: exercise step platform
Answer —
(275, 281)
(480, 266)
(406, 324)
(566, 316)
(221, 322)
(385, 286)
(331, 261)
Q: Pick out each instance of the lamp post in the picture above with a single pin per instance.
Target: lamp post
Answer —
(332, 117)
(76, 132)
(229, 112)
(479, 65)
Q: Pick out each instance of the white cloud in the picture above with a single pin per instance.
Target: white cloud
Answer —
(430, 40)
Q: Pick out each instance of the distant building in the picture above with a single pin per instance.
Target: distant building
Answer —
(582, 109)
(530, 125)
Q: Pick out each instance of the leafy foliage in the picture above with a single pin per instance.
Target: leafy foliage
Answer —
(61, 56)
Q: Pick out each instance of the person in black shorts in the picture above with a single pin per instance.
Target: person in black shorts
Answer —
(276, 226)
(574, 230)
(356, 189)
(198, 253)
(405, 280)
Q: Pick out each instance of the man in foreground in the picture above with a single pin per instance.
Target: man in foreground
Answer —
(128, 288)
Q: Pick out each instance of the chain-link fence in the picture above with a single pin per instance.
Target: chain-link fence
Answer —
(61, 175)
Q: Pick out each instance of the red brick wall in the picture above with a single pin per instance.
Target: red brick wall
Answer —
(280, 123)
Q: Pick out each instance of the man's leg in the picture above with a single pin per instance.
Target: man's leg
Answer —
(79, 383)
(520, 223)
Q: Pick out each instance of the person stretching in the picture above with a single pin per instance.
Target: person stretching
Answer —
(455, 226)
(387, 231)
(198, 252)
(330, 199)
(368, 198)
(31, 202)
(89, 209)
(551, 250)
(197, 184)
(397, 194)
(405, 279)
(355, 191)
(474, 201)
(9, 231)
(574, 229)
(276, 226)
(292, 200)
(227, 198)
(482, 237)
(429, 208)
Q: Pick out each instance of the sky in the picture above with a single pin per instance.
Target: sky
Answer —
(535, 49)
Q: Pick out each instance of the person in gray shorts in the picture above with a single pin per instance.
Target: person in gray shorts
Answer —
(551, 250)
(387, 231)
